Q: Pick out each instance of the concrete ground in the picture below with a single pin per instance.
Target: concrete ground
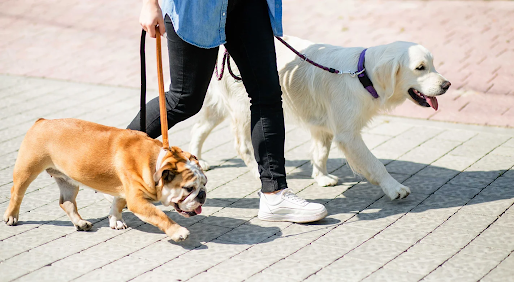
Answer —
(80, 59)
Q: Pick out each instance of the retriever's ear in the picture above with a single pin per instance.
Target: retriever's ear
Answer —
(385, 72)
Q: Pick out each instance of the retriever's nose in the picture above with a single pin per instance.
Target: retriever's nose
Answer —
(201, 196)
(446, 85)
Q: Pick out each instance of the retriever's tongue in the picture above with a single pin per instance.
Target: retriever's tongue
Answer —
(432, 101)
(198, 210)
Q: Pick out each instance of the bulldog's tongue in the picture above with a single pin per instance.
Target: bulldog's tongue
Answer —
(198, 210)
(432, 101)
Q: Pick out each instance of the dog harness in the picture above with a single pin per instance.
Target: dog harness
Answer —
(360, 73)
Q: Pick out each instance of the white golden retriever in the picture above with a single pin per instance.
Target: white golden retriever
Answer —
(334, 107)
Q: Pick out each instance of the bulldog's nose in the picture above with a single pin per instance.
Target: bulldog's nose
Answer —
(446, 85)
(201, 196)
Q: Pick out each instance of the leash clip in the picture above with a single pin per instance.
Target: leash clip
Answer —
(356, 73)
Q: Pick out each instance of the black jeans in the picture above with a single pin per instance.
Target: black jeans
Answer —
(250, 42)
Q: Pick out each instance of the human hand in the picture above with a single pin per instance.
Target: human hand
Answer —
(151, 17)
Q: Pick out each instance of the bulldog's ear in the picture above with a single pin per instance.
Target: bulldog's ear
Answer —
(194, 159)
(165, 173)
(385, 73)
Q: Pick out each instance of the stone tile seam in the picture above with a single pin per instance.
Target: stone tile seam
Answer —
(472, 241)
(54, 111)
(42, 96)
(448, 217)
(52, 219)
(419, 240)
(485, 275)
(49, 264)
(410, 211)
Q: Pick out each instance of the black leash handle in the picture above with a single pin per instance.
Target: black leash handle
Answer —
(142, 109)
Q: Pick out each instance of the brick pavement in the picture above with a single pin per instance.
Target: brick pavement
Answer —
(97, 42)
(455, 226)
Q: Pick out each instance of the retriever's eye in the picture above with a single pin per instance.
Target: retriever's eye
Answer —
(420, 68)
(189, 189)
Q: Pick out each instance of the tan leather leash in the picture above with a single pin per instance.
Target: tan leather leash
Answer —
(162, 98)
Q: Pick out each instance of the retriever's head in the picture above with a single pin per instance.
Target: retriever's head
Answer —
(406, 70)
(181, 180)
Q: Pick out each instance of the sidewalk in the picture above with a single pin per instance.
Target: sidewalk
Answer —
(455, 226)
(80, 59)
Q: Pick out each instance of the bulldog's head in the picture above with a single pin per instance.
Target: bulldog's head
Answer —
(181, 180)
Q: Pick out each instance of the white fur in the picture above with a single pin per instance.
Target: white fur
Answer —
(333, 107)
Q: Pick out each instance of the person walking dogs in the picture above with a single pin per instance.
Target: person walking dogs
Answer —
(194, 31)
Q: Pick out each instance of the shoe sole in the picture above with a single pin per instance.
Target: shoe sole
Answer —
(297, 218)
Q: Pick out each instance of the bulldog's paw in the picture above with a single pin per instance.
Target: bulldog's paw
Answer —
(326, 180)
(397, 192)
(83, 225)
(11, 219)
(205, 165)
(180, 235)
(117, 224)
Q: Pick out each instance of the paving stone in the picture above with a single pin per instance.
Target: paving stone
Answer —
(288, 268)
(281, 248)
(215, 252)
(415, 263)
(472, 264)
(486, 206)
(392, 276)
(29, 261)
(379, 250)
(262, 277)
(503, 272)
(51, 273)
(82, 263)
(445, 273)
(448, 237)
(105, 275)
(346, 237)
(352, 269)
(457, 191)
(401, 235)
(497, 236)
(425, 185)
(10, 272)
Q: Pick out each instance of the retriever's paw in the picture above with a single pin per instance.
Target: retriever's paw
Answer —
(326, 180)
(180, 235)
(83, 225)
(11, 219)
(398, 192)
(204, 165)
(117, 224)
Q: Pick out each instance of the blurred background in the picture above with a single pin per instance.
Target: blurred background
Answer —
(97, 42)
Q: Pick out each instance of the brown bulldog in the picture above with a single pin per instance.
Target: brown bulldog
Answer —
(123, 163)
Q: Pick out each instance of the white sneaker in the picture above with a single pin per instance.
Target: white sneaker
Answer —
(286, 206)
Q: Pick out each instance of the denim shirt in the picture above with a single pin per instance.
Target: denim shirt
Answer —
(202, 22)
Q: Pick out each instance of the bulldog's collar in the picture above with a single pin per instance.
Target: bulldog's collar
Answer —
(363, 77)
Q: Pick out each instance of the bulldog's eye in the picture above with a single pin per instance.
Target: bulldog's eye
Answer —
(189, 189)
(420, 68)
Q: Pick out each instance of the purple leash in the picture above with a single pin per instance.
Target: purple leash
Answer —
(360, 73)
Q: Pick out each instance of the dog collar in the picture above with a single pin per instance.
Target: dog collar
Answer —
(363, 77)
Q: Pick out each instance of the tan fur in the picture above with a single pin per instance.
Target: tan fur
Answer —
(118, 162)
